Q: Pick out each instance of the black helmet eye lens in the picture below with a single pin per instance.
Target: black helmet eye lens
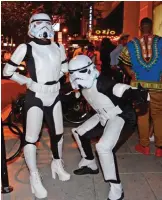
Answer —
(39, 22)
(83, 71)
(49, 23)
(80, 71)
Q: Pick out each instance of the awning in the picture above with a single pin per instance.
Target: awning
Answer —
(114, 20)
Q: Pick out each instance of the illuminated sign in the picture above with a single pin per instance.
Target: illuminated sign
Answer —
(100, 37)
(90, 18)
(104, 32)
(60, 37)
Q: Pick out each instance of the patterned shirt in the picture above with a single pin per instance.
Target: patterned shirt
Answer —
(144, 57)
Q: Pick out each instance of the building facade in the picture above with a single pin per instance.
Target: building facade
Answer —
(133, 12)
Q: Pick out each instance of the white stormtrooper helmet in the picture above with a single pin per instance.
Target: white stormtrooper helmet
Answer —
(40, 26)
(82, 71)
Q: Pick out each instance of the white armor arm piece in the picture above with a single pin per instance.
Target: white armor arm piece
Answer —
(119, 89)
(16, 59)
(64, 63)
(88, 125)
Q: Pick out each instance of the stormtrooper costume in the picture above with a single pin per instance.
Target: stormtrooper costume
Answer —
(46, 62)
(110, 100)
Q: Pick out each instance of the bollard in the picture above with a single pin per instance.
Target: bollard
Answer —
(4, 173)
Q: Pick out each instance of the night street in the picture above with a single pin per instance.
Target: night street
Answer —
(141, 175)
(81, 100)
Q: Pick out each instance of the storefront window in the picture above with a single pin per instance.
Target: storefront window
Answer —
(157, 20)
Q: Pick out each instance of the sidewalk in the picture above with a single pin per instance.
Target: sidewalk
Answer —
(141, 175)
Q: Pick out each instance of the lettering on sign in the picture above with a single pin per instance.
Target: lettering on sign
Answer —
(105, 32)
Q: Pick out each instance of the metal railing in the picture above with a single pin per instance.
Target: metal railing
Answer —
(4, 172)
(6, 188)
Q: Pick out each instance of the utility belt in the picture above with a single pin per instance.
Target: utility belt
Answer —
(49, 87)
(148, 85)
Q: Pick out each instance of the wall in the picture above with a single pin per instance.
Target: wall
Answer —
(134, 11)
(104, 8)
(131, 18)
(157, 19)
(146, 9)
(140, 10)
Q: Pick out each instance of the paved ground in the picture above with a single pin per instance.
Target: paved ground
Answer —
(141, 175)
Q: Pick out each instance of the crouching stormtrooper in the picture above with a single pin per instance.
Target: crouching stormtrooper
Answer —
(113, 105)
(46, 63)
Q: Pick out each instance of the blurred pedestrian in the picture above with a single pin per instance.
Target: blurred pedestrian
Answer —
(118, 73)
(106, 48)
(79, 51)
(70, 53)
(98, 61)
(91, 53)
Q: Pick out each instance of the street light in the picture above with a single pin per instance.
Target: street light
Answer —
(64, 30)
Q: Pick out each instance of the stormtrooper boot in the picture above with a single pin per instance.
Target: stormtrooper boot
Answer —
(87, 167)
(57, 165)
(36, 186)
(116, 192)
(35, 180)
(57, 168)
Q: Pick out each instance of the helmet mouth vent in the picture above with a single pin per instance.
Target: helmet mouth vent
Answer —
(45, 35)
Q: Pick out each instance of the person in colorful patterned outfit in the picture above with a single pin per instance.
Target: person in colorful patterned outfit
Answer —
(142, 59)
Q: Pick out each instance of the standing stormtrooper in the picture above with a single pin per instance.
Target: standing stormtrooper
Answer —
(46, 63)
(113, 105)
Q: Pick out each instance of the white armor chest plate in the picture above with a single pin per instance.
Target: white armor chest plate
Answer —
(101, 103)
(47, 60)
